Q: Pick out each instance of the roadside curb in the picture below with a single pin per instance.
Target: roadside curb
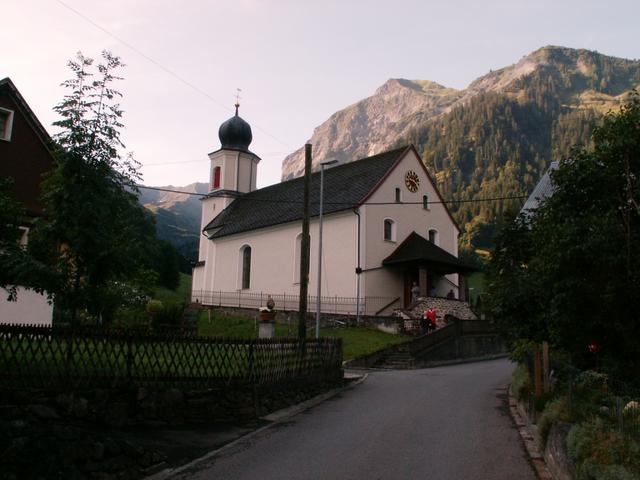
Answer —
(529, 440)
(274, 418)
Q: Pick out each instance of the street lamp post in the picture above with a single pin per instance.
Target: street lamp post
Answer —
(319, 289)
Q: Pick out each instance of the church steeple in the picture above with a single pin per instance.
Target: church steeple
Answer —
(235, 133)
(234, 166)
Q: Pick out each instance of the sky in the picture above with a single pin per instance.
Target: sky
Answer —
(295, 61)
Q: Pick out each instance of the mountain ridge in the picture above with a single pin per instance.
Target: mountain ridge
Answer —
(375, 123)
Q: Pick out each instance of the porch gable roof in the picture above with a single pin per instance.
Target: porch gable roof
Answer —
(417, 249)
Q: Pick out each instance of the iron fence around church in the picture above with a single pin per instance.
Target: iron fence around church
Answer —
(288, 302)
(45, 357)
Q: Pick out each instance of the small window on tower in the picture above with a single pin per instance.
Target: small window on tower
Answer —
(216, 177)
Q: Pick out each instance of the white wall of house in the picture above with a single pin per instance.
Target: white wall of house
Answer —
(31, 308)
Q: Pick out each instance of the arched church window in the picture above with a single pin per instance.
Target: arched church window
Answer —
(297, 258)
(245, 271)
(389, 230)
(433, 236)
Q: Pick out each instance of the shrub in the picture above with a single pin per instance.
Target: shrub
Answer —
(556, 411)
(602, 454)
(521, 382)
(170, 315)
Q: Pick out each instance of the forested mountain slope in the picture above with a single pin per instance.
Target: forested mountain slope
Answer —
(493, 139)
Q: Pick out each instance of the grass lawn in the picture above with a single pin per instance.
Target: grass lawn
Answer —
(180, 294)
(356, 341)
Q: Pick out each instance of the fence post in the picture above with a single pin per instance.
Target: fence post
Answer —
(620, 414)
(129, 358)
(251, 364)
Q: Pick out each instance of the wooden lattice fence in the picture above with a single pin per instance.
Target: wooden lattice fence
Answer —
(47, 357)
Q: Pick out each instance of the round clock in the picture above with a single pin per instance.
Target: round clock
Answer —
(412, 181)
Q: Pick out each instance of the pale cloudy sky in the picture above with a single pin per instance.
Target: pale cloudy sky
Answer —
(296, 61)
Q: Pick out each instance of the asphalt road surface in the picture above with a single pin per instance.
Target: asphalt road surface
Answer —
(440, 423)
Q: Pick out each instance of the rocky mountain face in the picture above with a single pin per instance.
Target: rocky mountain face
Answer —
(375, 123)
(494, 138)
(177, 215)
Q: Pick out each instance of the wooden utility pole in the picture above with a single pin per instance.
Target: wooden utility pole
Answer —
(546, 369)
(305, 247)
(537, 370)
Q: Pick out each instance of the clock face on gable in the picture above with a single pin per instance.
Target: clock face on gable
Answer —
(412, 181)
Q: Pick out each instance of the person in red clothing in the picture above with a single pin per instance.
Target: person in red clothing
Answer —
(431, 317)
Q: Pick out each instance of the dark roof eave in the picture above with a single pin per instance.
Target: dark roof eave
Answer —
(250, 229)
(235, 150)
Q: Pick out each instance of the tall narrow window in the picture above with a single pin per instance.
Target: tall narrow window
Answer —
(398, 195)
(425, 202)
(389, 230)
(216, 177)
(433, 236)
(297, 259)
(246, 267)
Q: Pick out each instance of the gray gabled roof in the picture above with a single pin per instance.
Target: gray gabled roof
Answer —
(345, 187)
(542, 191)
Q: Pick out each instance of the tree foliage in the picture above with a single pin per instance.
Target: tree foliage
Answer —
(570, 272)
(94, 232)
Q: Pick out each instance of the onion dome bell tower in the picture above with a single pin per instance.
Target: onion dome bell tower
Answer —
(234, 166)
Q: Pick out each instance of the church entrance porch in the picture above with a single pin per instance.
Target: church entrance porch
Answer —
(436, 272)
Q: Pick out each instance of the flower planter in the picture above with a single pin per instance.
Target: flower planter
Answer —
(267, 316)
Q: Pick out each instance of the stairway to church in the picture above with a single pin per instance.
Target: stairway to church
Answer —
(399, 359)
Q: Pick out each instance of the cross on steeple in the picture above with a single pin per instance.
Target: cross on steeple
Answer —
(238, 97)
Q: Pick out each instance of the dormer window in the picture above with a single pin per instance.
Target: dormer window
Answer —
(6, 124)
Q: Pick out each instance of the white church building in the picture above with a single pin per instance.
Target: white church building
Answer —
(385, 226)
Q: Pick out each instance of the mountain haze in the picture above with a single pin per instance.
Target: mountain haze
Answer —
(177, 215)
(494, 138)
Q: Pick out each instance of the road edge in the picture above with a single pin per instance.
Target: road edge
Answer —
(274, 418)
(528, 439)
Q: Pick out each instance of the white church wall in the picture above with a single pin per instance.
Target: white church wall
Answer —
(273, 258)
(408, 216)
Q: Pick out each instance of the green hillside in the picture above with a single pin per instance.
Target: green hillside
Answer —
(499, 143)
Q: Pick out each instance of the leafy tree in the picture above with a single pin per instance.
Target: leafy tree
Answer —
(168, 265)
(571, 272)
(94, 232)
(17, 267)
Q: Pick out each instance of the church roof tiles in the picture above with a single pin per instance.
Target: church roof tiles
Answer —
(345, 187)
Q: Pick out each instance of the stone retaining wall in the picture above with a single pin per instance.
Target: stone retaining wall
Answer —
(77, 435)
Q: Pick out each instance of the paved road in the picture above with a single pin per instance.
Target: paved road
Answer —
(440, 423)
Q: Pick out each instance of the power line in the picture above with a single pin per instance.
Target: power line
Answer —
(178, 162)
(163, 68)
(266, 200)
